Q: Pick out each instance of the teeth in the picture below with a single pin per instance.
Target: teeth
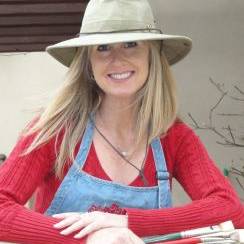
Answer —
(121, 76)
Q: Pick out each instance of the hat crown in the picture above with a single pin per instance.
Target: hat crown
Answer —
(119, 15)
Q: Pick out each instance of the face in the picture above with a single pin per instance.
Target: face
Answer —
(120, 69)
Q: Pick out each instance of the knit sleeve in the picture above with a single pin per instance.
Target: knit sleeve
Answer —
(213, 199)
(19, 177)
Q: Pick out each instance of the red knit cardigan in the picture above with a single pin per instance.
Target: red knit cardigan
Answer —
(213, 199)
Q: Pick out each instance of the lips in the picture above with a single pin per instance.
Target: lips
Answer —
(121, 76)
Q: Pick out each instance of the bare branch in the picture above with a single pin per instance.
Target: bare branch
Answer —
(236, 171)
(231, 134)
(217, 85)
(194, 121)
(219, 134)
(229, 114)
(215, 106)
(231, 144)
(238, 181)
(236, 98)
(229, 140)
(239, 90)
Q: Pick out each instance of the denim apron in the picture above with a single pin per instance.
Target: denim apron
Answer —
(80, 190)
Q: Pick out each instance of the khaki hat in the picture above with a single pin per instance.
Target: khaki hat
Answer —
(114, 21)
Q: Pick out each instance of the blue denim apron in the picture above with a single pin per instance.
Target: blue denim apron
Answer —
(80, 190)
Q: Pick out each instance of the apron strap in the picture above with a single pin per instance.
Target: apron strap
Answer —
(85, 144)
(162, 174)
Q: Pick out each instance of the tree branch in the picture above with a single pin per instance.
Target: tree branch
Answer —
(227, 140)
(239, 90)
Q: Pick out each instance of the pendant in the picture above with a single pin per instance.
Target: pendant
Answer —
(124, 153)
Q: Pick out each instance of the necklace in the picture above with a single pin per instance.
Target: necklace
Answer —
(125, 153)
(122, 154)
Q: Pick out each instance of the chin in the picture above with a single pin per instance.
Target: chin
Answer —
(124, 95)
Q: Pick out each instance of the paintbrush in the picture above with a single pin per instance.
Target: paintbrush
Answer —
(196, 240)
(220, 241)
(235, 235)
(225, 226)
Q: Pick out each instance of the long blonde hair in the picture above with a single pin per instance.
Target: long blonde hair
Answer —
(69, 111)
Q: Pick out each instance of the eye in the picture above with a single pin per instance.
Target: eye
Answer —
(130, 44)
(102, 48)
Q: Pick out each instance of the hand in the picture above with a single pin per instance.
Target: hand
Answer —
(86, 223)
(113, 236)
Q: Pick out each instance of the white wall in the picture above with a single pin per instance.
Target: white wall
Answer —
(216, 27)
(26, 81)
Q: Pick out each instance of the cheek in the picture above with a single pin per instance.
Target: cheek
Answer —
(97, 67)
(96, 63)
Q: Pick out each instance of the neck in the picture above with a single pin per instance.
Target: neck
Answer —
(116, 122)
(118, 116)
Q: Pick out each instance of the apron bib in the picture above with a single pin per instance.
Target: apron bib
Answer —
(79, 190)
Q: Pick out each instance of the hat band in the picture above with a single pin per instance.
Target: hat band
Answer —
(147, 30)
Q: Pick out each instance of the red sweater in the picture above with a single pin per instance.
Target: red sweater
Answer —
(213, 199)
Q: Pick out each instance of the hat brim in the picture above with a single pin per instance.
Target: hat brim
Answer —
(175, 47)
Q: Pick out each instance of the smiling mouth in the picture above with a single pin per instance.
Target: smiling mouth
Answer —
(121, 76)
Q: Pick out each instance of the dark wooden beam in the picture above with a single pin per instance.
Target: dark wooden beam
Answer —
(41, 1)
(32, 39)
(39, 30)
(31, 25)
(24, 48)
(27, 9)
(66, 18)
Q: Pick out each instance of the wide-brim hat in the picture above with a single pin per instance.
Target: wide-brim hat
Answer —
(115, 21)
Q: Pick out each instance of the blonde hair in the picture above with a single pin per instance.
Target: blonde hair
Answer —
(69, 111)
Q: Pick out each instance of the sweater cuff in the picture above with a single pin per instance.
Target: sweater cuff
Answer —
(138, 222)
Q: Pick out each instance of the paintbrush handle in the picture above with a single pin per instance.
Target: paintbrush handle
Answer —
(182, 241)
(196, 240)
(167, 237)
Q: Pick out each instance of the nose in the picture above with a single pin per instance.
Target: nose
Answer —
(117, 55)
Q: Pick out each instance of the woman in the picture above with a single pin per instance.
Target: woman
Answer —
(102, 155)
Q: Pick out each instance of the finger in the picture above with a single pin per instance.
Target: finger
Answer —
(64, 215)
(134, 238)
(87, 230)
(78, 225)
(67, 222)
